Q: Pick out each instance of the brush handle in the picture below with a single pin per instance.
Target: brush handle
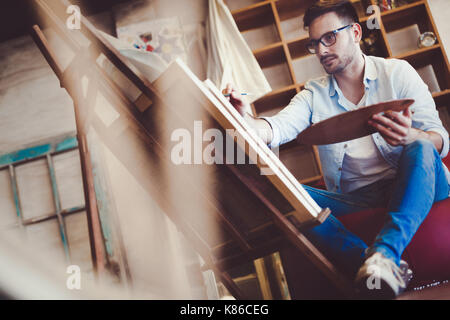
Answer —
(242, 94)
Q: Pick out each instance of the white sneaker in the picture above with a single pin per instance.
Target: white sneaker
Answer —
(380, 277)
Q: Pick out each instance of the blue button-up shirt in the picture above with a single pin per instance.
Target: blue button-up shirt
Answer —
(384, 79)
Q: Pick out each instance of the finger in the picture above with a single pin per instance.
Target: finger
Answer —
(407, 112)
(228, 88)
(385, 130)
(402, 117)
(399, 118)
(389, 140)
(385, 122)
(236, 98)
(392, 142)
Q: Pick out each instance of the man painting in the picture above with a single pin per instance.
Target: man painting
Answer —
(399, 166)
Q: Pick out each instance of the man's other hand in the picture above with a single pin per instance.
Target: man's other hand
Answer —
(395, 127)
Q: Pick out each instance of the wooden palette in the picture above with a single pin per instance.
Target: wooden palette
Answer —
(349, 125)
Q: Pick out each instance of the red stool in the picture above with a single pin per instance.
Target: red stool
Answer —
(428, 253)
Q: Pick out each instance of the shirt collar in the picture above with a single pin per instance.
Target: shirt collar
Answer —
(370, 73)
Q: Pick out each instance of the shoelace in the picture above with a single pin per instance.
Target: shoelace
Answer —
(380, 260)
(407, 273)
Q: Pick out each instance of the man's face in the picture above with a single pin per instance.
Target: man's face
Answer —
(335, 58)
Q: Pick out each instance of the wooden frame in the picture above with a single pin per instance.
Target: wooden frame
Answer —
(244, 243)
(48, 151)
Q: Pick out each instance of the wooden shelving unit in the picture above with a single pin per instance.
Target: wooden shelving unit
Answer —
(274, 31)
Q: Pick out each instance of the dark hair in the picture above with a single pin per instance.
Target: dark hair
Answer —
(343, 8)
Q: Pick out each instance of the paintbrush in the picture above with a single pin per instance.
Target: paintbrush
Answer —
(242, 94)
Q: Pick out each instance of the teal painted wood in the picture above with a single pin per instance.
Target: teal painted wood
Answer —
(51, 170)
(110, 226)
(57, 201)
(12, 175)
(12, 159)
(23, 155)
(102, 198)
(38, 151)
(64, 213)
(67, 144)
(73, 210)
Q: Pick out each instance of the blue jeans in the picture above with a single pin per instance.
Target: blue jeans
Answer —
(420, 181)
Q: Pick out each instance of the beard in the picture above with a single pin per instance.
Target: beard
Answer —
(334, 64)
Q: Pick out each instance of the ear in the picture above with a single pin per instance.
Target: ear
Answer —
(357, 32)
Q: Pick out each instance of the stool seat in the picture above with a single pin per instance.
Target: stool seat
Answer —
(428, 253)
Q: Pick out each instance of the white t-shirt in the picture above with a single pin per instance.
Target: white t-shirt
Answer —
(363, 163)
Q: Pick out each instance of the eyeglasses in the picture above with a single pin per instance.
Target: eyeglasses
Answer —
(328, 39)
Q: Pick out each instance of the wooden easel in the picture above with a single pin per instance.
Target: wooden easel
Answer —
(270, 203)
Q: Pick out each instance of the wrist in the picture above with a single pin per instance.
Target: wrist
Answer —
(417, 134)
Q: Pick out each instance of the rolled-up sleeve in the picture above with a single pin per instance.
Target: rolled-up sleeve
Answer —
(425, 116)
(292, 120)
(444, 134)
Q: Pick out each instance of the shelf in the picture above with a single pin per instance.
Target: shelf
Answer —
(237, 5)
(278, 76)
(400, 9)
(262, 37)
(256, 16)
(361, 8)
(279, 91)
(270, 55)
(418, 54)
(415, 13)
(288, 9)
(433, 56)
(297, 47)
(444, 115)
(310, 180)
(442, 99)
(300, 160)
(305, 65)
(261, 52)
(380, 48)
(274, 100)
(293, 28)
(295, 9)
(274, 64)
(307, 68)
